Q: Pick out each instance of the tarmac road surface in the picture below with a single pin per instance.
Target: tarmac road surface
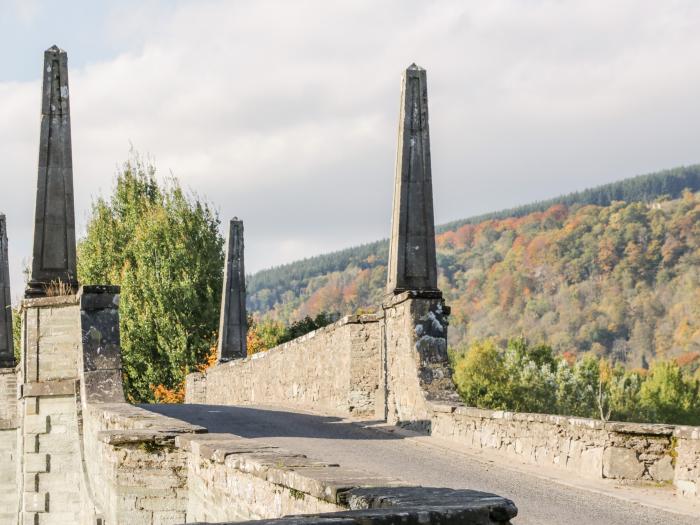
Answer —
(539, 501)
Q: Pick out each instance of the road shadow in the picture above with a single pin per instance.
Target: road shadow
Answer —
(253, 422)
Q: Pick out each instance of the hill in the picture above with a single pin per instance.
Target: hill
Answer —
(610, 270)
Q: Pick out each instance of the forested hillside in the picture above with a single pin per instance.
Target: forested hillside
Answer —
(611, 270)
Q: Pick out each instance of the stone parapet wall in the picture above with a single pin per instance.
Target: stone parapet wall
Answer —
(8, 396)
(335, 369)
(407, 345)
(590, 448)
(196, 388)
(234, 479)
(88, 457)
(9, 449)
(231, 479)
(51, 473)
(134, 471)
(9, 495)
(686, 441)
(154, 470)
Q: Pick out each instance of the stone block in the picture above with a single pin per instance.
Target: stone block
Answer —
(36, 463)
(31, 443)
(686, 487)
(104, 386)
(168, 517)
(99, 297)
(49, 388)
(158, 504)
(622, 463)
(662, 470)
(591, 463)
(31, 482)
(35, 501)
(31, 406)
(57, 481)
(64, 499)
(36, 424)
(66, 443)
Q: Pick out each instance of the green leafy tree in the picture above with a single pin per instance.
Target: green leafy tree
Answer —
(530, 378)
(164, 249)
(530, 375)
(481, 377)
(306, 325)
(669, 395)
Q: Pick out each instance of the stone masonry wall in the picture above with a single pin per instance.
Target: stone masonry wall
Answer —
(335, 369)
(414, 385)
(9, 441)
(233, 484)
(417, 367)
(421, 394)
(234, 479)
(136, 474)
(8, 476)
(686, 452)
(8, 395)
(51, 473)
(8, 447)
(587, 447)
(88, 457)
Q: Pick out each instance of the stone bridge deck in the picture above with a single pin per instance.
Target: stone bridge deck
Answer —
(425, 461)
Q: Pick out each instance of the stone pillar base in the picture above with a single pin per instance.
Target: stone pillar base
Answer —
(416, 366)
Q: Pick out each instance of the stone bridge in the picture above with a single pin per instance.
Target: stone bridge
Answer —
(357, 422)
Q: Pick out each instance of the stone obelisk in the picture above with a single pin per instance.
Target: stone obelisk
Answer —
(412, 260)
(7, 354)
(53, 261)
(233, 325)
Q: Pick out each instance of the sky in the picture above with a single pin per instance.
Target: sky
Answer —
(284, 113)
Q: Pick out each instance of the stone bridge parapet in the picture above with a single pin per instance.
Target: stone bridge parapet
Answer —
(78, 453)
(402, 355)
(333, 369)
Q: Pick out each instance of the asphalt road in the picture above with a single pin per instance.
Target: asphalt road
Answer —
(331, 439)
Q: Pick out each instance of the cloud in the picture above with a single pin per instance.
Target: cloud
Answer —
(284, 113)
(25, 10)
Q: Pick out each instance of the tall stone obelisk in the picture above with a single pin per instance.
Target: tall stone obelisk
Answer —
(233, 325)
(53, 258)
(412, 260)
(7, 354)
(415, 368)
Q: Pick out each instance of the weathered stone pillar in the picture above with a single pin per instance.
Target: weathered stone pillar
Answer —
(7, 354)
(101, 349)
(50, 431)
(72, 361)
(415, 364)
(412, 261)
(53, 259)
(233, 326)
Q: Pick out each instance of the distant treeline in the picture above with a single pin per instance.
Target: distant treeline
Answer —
(268, 287)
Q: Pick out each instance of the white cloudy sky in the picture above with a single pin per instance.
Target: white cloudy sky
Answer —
(284, 112)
